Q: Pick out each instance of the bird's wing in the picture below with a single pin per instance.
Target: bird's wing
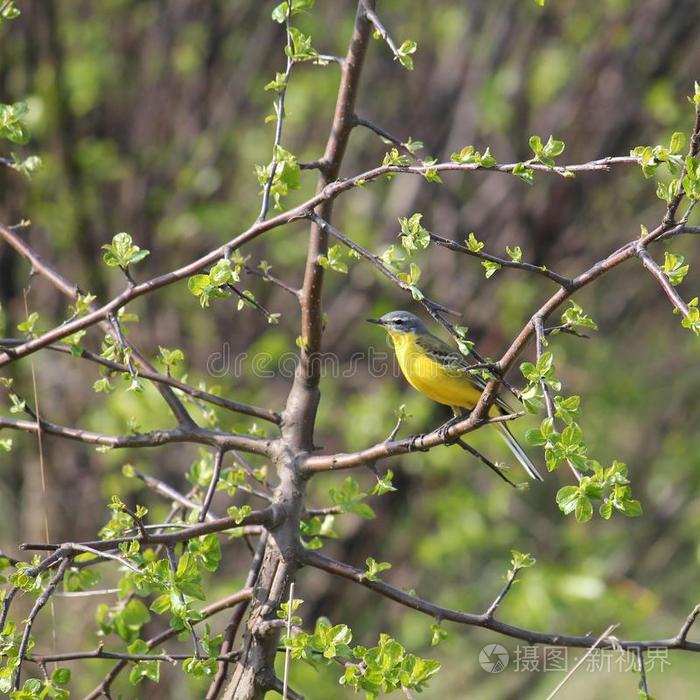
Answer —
(447, 356)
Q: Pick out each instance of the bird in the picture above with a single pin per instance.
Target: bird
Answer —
(441, 373)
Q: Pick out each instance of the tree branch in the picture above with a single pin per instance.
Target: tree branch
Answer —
(383, 450)
(206, 612)
(483, 620)
(266, 517)
(665, 284)
(154, 438)
(38, 605)
(329, 190)
(503, 262)
(377, 263)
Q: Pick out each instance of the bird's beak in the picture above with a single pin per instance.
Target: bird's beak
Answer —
(378, 321)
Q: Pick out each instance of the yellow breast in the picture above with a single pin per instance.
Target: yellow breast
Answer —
(431, 378)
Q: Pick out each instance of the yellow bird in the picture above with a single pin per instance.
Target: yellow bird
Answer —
(439, 372)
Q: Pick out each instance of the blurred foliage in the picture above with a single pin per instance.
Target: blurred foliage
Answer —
(150, 118)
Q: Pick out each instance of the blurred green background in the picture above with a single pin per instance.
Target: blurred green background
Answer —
(149, 118)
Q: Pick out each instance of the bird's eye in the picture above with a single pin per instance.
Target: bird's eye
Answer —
(398, 321)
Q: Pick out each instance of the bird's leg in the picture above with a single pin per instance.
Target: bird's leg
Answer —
(444, 428)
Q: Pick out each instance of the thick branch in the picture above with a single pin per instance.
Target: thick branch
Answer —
(393, 448)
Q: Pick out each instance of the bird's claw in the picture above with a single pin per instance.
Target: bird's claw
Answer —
(444, 429)
(412, 447)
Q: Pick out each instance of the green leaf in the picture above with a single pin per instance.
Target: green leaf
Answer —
(473, 244)
(29, 325)
(490, 267)
(12, 124)
(61, 676)
(334, 260)
(574, 316)
(393, 157)
(8, 11)
(606, 509)
(404, 53)
(438, 634)
(413, 146)
(300, 49)
(524, 173)
(677, 142)
(631, 508)
(567, 498)
(27, 167)
(374, 568)
(584, 509)
(281, 12)
(521, 560)
(122, 252)
(515, 254)
(383, 484)
(239, 513)
(414, 236)
(674, 268)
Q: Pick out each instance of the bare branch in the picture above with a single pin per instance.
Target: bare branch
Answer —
(218, 460)
(228, 602)
(472, 450)
(689, 622)
(359, 121)
(38, 605)
(376, 262)
(665, 284)
(154, 438)
(329, 189)
(337, 568)
(503, 262)
(266, 517)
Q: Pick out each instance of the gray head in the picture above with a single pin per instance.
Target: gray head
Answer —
(400, 322)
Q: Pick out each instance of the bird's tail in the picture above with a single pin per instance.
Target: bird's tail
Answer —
(518, 451)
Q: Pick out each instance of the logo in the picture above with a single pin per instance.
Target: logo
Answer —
(493, 658)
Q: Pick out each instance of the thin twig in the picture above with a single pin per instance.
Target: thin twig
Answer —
(320, 561)
(643, 685)
(153, 376)
(38, 605)
(285, 680)
(510, 580)
(665, 284)
(265, 516)
(503, 262)
(216, 474)
(486, 461)
(206, 612)
(578, 664)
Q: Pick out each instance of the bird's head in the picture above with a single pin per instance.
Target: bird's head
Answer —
(400, 322)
